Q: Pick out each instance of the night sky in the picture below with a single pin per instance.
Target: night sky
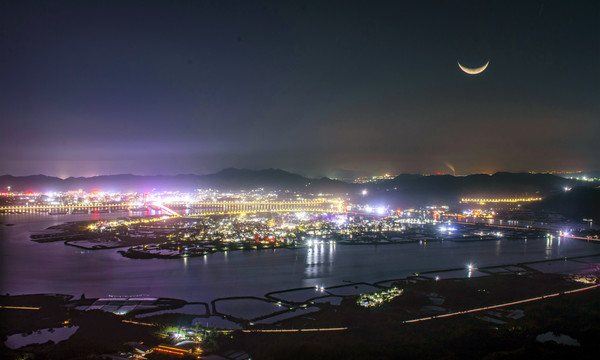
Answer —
(317, 88)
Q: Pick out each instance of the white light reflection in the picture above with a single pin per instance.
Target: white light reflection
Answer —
(549, 246)
(319, 259)
(471, 268)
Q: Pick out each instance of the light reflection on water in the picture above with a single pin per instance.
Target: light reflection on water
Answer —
(29, 267)
(319, 259)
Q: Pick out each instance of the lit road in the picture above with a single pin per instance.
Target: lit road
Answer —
(19, 307)
(500, 305)
(581, 238)
(295, 330)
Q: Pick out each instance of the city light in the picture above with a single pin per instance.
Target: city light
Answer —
(378, 298)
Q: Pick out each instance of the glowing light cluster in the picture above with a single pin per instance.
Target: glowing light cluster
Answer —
(378, 298)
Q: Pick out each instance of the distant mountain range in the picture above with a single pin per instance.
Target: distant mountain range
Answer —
(227, 179)
(405, 187)
(402, 191)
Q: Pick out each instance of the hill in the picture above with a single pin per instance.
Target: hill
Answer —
(404, 190)
(227, 179)
(577, 204)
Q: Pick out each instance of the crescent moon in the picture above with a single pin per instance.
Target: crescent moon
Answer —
(473, 71)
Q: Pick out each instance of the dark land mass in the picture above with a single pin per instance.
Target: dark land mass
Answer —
(456, 338)
(98, 332)
(578, 203)
(381, 334)
(447, 189)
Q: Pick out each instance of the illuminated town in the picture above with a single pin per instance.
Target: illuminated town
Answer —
(210, 225)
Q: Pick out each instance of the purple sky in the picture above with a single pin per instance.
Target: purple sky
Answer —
(193, 87)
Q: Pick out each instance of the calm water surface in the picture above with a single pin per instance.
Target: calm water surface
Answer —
(29, 267)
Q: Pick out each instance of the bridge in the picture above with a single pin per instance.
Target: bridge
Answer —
(183, 208)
